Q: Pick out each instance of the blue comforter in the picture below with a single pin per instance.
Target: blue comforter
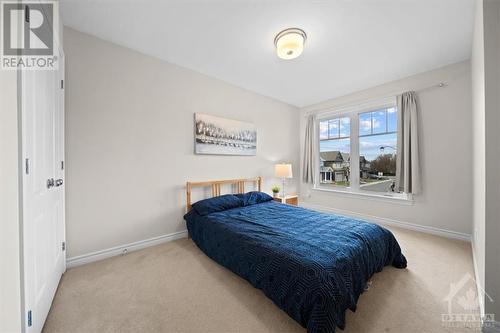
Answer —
(312, 265)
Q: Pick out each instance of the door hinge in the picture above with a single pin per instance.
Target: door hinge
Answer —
(30, 323)
(63, 246)
(62, 165)
(62, 84)
(27, 14)
(27, 166)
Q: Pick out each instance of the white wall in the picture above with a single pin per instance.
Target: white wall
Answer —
(446, 153)
(478, 130)
(129, 141)
(10, 287)
(486, 138)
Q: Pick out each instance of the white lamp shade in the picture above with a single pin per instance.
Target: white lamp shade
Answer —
(283, 170)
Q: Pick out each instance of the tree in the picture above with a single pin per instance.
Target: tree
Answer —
(347, 172)
(384, 163)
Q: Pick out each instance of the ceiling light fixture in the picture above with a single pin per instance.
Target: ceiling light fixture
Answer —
(290, 43)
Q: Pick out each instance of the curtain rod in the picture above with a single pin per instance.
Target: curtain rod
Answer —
(441, 84)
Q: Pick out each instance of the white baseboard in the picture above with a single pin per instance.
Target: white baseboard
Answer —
(391, 222)
(478, 281)
(488, 327)
(117, 250)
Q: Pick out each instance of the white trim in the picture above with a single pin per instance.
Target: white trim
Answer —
(402, 200)
(491, 327)
(480, 294)
(391, 222)
(117, 250)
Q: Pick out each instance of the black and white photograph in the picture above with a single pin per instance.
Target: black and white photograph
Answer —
(222, 136)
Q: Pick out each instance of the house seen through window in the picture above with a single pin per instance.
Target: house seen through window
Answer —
(334, 153)
(374, 144)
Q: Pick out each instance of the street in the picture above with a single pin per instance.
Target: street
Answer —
(380, 186)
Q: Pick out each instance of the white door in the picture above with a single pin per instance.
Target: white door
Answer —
(43, 191)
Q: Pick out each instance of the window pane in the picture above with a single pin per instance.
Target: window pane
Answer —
(333, 131)
(345, 127)
(392, 120)
(334, 162)
(377, 162)
(379, 121)
(323, 130)
(365, 123)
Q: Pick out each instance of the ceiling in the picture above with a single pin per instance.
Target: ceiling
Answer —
(351, 44)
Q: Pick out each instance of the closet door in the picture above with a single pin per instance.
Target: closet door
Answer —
(43, 191)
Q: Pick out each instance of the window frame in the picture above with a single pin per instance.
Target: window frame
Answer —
(371, 120)
(353, 112)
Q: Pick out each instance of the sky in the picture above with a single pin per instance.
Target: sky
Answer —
(376, 122)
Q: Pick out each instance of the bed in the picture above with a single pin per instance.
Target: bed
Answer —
(312, 265)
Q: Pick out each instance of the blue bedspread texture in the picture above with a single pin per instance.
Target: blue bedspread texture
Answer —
(312, 265)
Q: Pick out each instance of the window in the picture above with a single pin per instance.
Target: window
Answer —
(357, 150)
(334, 150)
(377, 150)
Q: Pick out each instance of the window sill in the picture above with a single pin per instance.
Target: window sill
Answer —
(402, 200)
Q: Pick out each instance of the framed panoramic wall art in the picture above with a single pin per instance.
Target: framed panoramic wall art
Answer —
(222, 136)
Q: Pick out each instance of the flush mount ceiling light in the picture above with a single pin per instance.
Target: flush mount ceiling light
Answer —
(290, 43)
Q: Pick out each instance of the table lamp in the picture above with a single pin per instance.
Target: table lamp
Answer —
(283, 171)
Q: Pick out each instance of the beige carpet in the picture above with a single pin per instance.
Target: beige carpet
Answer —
(174, 287)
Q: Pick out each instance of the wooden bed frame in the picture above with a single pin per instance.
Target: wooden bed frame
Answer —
(215, 184)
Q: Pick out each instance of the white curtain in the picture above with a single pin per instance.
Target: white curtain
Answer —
(309, 165)
(407, 161)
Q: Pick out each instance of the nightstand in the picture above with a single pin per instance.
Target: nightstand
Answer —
(289, 199)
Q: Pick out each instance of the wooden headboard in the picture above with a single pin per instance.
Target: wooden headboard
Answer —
(216, 184)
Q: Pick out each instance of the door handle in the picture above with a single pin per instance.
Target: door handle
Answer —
(59, 182)
(50, 183)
